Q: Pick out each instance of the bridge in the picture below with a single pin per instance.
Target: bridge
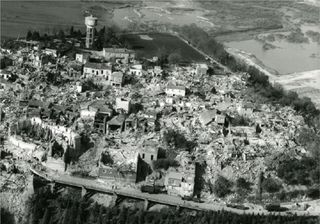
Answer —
(91, 186)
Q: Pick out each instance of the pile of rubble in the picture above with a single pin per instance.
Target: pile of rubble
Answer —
(89, 108)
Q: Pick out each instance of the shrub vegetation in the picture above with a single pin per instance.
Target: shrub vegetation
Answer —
(45, 207)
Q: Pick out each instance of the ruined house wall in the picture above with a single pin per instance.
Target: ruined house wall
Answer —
(21, 144)
(70, 136)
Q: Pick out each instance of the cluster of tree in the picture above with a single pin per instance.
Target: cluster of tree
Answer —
(271, 185)
(57, 150)
(293, 171)
(305, 171)
(222, 187)
(310, 139)
(60, 34)
(53, 78)
(5, 62)
(312, 192)
(33, 35)
(75, 33)
(315, 36)
(6, 216)
(106, 158)
(202, 40)
(130, 80)
(176, 140)
(209, 45)
(243, 187)
(240, 120)
(297, 36)
(89, 85)
(108, 37)
(276, 93)
(12, 44)
(45, 207)
(166, 57)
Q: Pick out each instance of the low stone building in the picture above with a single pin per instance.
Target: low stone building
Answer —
(201, 69)
(83, 58)
(124, 54)
(116, 79)
(136, 70)
(246, 109)
(220, 119)
(174, 90)
(123, 104)
(180, 182)
(97, 70)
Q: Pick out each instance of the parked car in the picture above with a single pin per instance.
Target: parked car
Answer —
(151, 189)
(187, 198)
(275, 208)
(190, 198)
(198, 200)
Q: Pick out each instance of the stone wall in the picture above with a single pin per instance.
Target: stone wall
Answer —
(21, 144)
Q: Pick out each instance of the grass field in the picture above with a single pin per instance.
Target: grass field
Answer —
(19, 16)
(220, 17)
(149, 48)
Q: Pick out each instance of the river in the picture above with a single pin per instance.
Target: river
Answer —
(286, 57)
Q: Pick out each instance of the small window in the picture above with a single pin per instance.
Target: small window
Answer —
(151, 157)
(142, 155)
(101, 71)
(92, 71)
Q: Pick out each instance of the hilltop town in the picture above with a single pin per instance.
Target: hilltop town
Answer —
(191, 130)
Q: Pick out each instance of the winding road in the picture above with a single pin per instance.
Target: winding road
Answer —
(93, 185)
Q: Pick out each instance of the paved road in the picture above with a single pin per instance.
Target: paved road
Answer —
(96, 186)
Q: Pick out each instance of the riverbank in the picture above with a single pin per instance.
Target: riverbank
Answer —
(251, 60)
(305, 84)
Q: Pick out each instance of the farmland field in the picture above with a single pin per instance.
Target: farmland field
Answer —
(17, 17)
(149, 47)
